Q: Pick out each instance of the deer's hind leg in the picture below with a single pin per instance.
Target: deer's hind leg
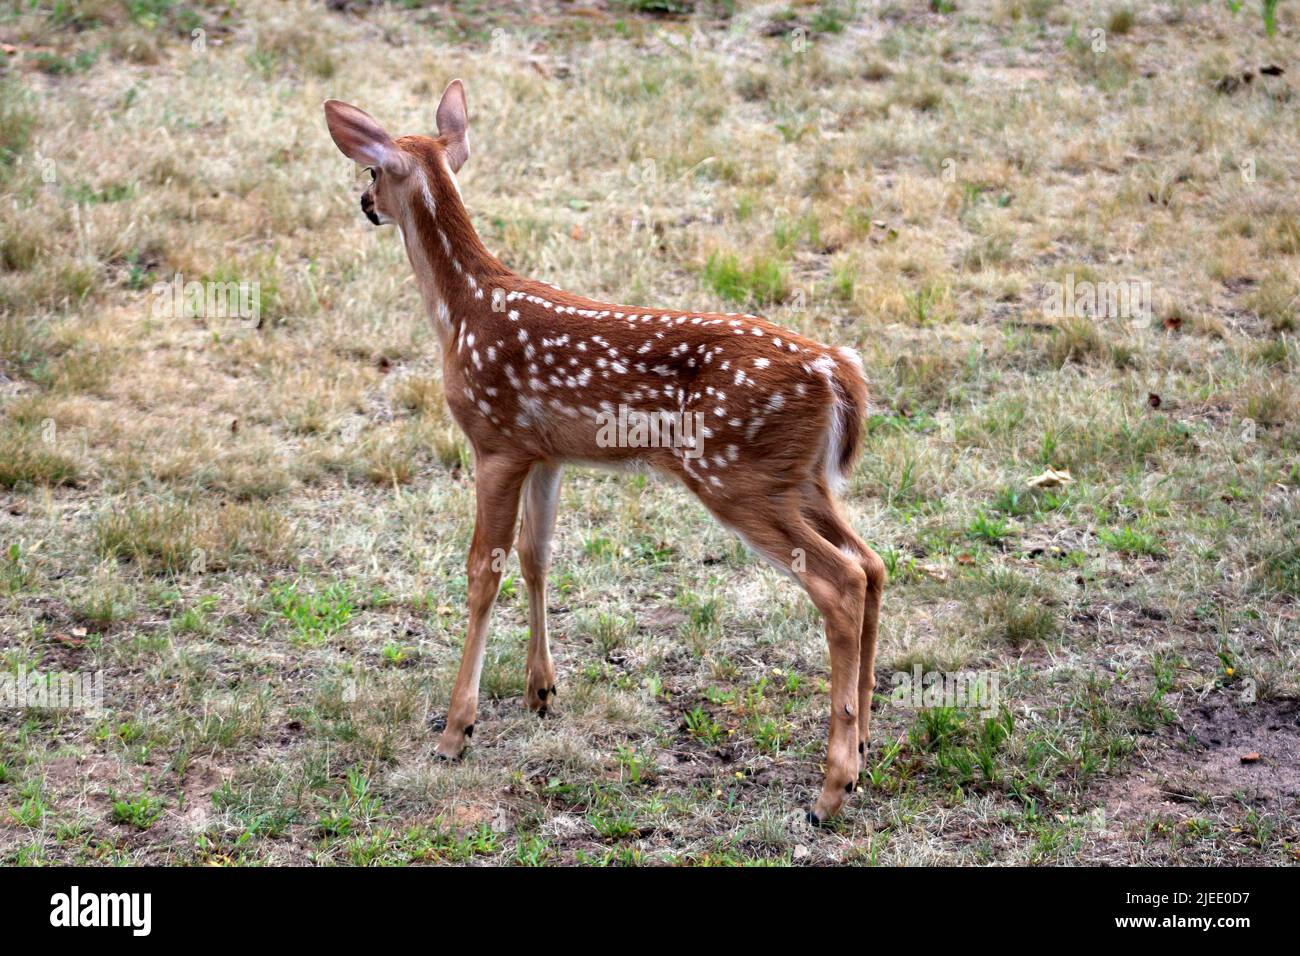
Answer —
(837, 584)
(541, 495)
(823, 512)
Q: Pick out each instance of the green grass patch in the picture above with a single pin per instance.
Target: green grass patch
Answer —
(316, 615)
(763, 281)
(1132, 541)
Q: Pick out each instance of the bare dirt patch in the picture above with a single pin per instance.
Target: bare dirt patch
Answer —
(1221, 752)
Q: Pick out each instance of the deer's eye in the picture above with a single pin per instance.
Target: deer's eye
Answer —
(373, 174)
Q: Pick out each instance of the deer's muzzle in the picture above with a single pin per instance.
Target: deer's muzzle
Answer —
(368, 207)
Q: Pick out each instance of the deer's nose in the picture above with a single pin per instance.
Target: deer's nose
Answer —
(368, 207)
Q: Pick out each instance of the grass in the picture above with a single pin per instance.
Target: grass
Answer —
(168, 537)
(1015, 610)
(258, 534)
(16, 121)
(1131, 541)
(314, 615)
(1280, 569)
(28, 460)
(763, 281)
(140, 812)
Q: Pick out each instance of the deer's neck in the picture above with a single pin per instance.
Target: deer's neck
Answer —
(454, 271)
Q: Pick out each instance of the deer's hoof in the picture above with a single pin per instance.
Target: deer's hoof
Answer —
(539, 701)
(829, 803)
(451, 746)
(450, 752)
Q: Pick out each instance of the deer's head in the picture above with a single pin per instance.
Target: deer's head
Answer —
(401, 168)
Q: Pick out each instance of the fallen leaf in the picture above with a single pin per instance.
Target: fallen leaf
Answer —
(1252, 757)
(934, 571)
(1153, 399)
(801, 851)
(576, 233)
(1173, 322)
(1051, 478)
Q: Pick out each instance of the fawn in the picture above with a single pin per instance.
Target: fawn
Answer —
(534, 376)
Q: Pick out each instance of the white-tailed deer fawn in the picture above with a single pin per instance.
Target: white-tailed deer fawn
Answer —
(537, 377)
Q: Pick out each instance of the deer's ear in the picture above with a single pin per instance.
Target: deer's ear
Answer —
(361, 139)
(453, 124)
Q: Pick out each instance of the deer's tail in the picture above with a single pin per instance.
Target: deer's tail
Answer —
(844, 437)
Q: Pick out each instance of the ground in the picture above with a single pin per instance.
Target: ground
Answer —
(256, 527)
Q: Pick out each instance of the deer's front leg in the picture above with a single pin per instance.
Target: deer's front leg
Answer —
(497, 484)
(541, 494)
